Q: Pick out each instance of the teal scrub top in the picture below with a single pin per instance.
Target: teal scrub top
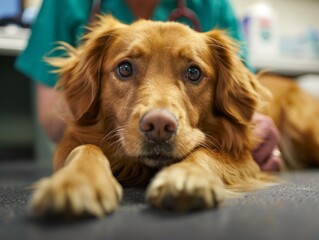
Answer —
(64, 20)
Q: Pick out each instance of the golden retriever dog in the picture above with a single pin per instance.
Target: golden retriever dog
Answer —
(153, 104)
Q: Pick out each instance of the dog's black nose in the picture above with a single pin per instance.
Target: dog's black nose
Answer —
(158, 125)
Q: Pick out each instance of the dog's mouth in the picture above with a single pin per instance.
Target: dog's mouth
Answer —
(156, 161)
(158, 155)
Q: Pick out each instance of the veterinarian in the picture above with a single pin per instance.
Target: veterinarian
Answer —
(64, 20)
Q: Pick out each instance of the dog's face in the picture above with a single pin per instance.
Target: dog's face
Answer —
(161, 89)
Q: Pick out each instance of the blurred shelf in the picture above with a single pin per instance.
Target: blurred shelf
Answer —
(287, 65)
(16, 129)
(13, 40)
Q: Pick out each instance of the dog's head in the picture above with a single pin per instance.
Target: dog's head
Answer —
(161, 89)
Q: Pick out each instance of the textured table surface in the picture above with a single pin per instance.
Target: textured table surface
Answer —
(286, 211)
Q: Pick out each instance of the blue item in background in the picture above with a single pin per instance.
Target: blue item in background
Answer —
(10, 8)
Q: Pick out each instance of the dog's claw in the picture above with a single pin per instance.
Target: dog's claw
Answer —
(62, 195)
(184, 189)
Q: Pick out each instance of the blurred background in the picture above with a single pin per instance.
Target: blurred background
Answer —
(282, 37)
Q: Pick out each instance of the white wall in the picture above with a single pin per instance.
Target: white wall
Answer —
(294, 16)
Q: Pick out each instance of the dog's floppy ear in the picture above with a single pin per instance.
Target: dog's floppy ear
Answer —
(79, 72)
(237, 92)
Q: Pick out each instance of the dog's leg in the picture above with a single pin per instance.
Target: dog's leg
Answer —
(190, 184)
(85, 185)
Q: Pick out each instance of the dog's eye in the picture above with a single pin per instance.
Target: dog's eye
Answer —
(194, 74)
(124, 70)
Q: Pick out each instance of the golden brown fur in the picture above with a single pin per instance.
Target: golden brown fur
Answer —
(209, 157)
(295, 114)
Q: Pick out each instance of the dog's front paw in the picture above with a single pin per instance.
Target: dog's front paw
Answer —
(70, 193)
(185, 188)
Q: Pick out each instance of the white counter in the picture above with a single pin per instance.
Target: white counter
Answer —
(13, 40)
(287, 65)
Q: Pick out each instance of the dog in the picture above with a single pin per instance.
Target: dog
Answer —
(153, 104)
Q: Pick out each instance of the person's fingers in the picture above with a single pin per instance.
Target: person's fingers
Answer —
(273, 163)
(265, 149)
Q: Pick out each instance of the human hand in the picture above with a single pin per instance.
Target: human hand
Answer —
(266, 152)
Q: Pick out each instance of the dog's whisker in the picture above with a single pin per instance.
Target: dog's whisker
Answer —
(119, 147)
(183, 148)
(116, 134)
(213, 141)
(108, 136)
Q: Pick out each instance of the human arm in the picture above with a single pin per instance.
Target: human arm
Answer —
(47, 114)
(52, 25)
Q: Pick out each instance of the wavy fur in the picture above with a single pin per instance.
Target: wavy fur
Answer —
(209, 157)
